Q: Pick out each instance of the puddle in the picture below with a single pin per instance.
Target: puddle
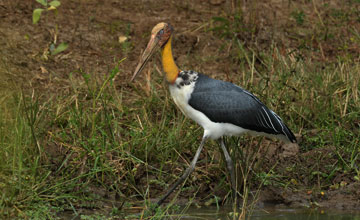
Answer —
(272, 214)
(225, 213)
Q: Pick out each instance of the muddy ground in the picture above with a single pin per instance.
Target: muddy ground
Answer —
(94, 29)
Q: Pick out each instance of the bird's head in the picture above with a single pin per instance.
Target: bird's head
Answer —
(160, 35)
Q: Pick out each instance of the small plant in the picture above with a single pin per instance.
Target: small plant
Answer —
(50, 6)
(126, 45)
(299, 16)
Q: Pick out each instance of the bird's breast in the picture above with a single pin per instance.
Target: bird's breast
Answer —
(181, 96)
(182, 89)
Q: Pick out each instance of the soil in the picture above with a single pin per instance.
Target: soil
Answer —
(93, 30)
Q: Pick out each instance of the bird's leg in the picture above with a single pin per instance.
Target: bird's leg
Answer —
(230, 167)
(188, 171)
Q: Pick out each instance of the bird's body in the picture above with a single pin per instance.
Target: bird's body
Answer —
(221, 108)
(224, 109)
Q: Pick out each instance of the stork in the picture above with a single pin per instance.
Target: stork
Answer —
(221, 108)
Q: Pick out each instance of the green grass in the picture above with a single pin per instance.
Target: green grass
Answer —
(55, 150)
(98, 146)
(22, 175)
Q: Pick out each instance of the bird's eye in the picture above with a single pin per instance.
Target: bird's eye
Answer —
(161, 31)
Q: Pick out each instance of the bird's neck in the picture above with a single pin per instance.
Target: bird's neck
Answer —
(170, 68)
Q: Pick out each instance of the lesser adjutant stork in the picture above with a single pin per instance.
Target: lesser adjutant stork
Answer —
(221, 108)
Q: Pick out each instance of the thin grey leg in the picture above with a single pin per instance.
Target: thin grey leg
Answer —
(188, 171)
(230, 167)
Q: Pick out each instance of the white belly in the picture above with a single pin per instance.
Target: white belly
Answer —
(213, 130)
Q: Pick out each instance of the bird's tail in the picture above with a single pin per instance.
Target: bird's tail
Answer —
(285, 129)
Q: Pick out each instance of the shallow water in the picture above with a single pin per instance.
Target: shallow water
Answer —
(272, 214)
(225, 213)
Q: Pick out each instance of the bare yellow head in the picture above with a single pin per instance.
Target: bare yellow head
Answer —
(160, 38)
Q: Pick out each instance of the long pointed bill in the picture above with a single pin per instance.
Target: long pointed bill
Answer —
(151, 47)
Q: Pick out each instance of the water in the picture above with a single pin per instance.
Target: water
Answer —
(225, 213)
(272, 214)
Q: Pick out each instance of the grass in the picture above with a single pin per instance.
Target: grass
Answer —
(98, 146)
(111, 143)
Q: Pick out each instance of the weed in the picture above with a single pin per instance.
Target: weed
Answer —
(50, 6)
(299, 16)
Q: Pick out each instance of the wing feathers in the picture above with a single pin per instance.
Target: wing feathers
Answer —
(225, 102)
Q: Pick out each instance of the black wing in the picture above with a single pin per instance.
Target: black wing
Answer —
(225, 102)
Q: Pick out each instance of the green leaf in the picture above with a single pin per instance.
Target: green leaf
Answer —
(55, 3)
(60, 48)
(43, 2)
(221, 19)
(37, 14)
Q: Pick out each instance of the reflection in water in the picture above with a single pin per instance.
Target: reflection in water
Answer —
(272, 214)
